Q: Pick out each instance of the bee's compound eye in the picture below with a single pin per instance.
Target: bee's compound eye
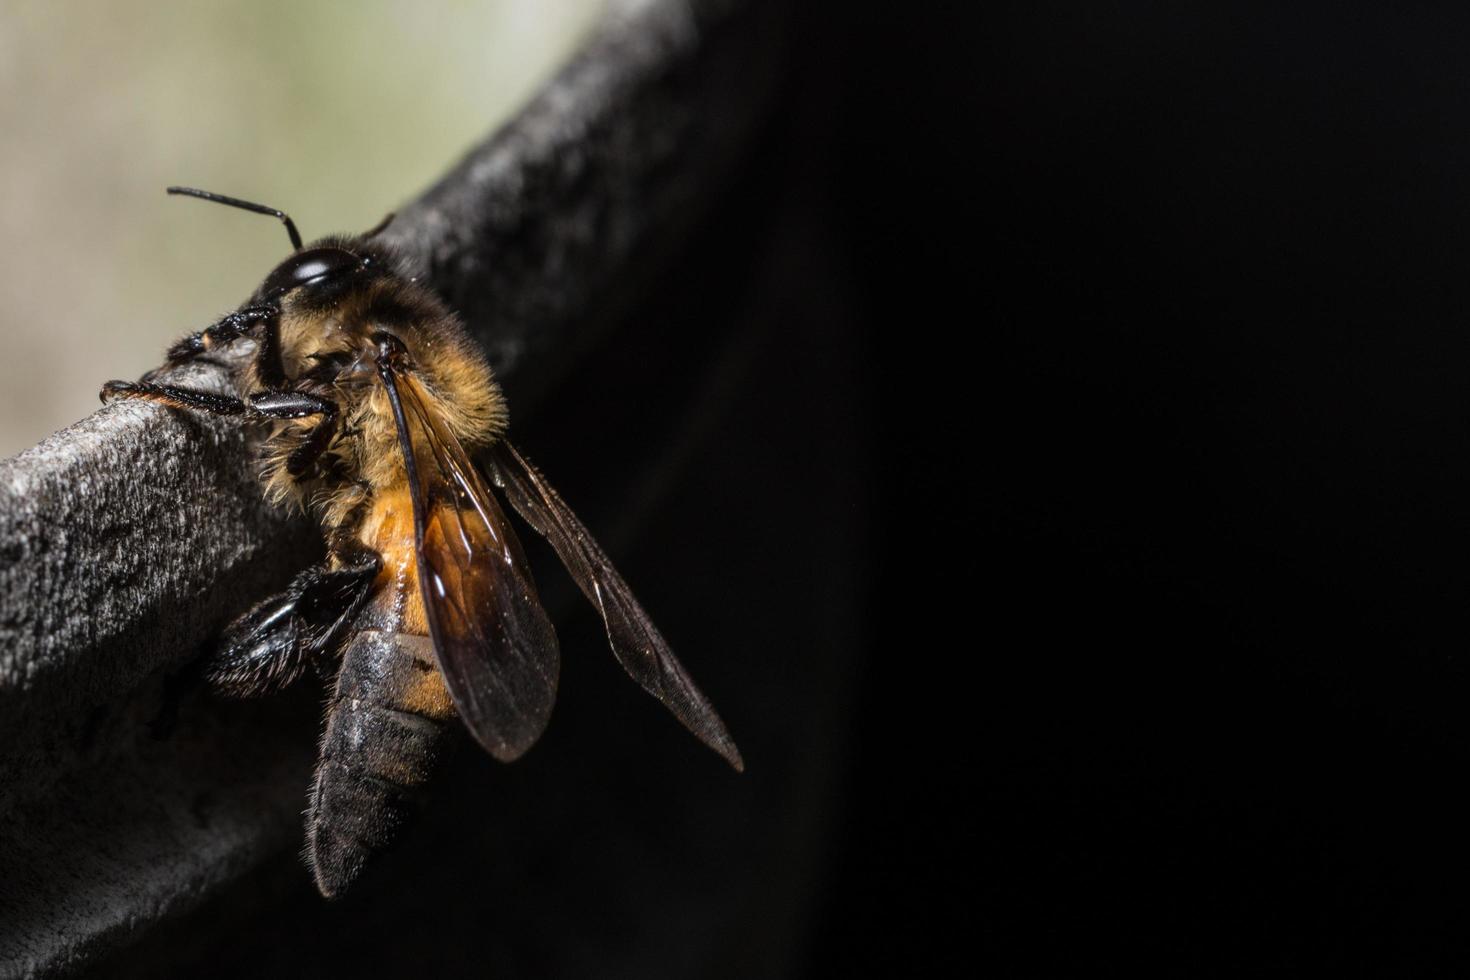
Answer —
(312, 265)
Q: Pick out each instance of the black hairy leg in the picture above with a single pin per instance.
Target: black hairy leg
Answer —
(175, 396)
(268, 648)
(231, 327)
(300, 405)
(260, 406)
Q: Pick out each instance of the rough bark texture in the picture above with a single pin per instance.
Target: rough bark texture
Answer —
(130, 538)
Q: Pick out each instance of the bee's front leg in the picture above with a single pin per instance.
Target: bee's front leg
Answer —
(230, 327)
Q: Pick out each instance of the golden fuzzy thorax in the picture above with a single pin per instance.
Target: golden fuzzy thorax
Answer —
(365, 459)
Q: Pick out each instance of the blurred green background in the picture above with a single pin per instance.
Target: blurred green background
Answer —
(334, 112)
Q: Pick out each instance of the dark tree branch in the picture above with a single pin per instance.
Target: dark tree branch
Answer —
(129, 538)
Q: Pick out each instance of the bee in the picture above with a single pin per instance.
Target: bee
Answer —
(371, 406)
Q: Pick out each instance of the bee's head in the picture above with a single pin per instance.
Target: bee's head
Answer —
(320, 272)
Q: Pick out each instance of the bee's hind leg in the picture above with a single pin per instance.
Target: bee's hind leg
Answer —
(269, 647)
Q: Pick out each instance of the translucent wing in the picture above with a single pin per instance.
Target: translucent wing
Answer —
(636, 642)
(496, 648)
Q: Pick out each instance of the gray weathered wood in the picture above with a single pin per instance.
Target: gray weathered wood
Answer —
(128, 539)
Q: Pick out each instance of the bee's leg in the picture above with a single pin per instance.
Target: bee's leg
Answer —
(230, 327)
(268, 647)
(270, 370)
(300, 405)
(262, 405)
(175, 397)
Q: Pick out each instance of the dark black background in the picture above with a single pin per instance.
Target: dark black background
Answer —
(1168, 357)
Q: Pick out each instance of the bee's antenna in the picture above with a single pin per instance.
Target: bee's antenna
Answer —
(381, 225)
(235, 202)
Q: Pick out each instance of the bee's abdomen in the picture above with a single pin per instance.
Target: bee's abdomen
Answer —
(387, 726)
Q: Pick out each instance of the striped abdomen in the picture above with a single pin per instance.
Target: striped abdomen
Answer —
(387, 725)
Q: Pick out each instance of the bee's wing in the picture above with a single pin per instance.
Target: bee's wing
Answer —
(496, 648)
(636, 642)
